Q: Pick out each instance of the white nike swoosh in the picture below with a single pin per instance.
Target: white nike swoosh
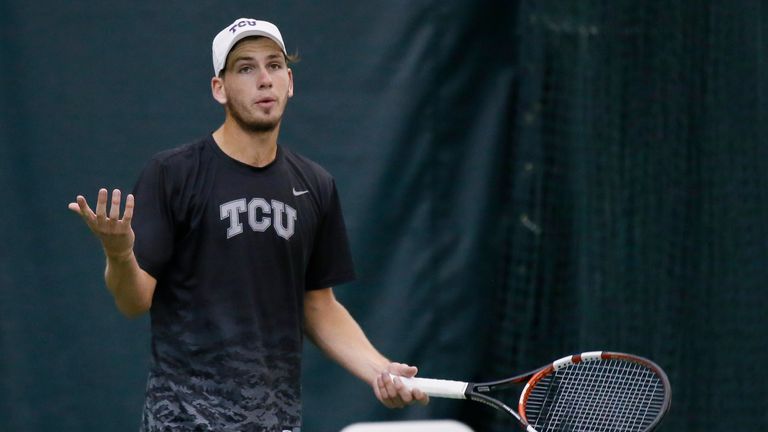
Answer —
(299, 193)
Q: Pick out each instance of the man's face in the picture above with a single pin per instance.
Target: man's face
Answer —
(257, 84)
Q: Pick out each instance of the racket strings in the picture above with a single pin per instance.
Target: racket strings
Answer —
(608, 395)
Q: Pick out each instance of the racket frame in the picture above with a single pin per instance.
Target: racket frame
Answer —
(477, 391)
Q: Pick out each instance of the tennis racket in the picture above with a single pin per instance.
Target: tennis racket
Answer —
(587, 392)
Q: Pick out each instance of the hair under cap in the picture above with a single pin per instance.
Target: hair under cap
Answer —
(241, 28)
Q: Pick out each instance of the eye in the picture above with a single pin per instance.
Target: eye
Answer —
(275, 66)
(245, 69)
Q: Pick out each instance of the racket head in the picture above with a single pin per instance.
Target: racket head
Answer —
(596, 391)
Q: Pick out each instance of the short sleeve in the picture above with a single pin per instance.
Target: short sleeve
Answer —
(331, 261)
(152, 220)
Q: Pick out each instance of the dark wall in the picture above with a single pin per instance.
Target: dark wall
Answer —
(520, 179)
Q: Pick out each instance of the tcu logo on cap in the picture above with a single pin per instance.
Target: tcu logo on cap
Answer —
(239, 29)
(242, 23)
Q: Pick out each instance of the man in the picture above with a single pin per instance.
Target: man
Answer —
(234, 247)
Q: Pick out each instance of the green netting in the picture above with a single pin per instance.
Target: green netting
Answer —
(638, 200)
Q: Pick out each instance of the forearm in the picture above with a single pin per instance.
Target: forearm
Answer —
(131, 287)
(330, 326)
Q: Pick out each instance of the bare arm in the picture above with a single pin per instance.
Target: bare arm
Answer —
(330, 326)
(131, 287)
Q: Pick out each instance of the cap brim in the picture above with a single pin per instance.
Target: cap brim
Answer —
(244, 34)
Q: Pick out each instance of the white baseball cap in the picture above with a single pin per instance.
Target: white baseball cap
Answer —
(241, 28)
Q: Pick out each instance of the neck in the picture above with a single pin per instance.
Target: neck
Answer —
(257, 149)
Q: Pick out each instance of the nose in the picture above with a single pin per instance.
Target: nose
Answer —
(264, 79)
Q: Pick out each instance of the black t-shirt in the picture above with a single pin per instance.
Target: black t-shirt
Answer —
(233, 248)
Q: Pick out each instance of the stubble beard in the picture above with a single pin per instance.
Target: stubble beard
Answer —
(251, 125)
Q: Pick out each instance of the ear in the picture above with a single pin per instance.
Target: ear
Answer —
(218, 91)
(290, 83)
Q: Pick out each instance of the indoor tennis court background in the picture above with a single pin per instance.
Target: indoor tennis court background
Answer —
(521, 180)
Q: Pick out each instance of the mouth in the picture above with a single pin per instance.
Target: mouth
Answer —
(266, 102)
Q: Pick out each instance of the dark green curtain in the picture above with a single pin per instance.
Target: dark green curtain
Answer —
(637, 197)
(521, 180)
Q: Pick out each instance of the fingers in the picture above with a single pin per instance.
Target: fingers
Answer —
(403, 392)
(393, 393)
(77, 206)
(81, 207)
(420, 396)
(414, 394)
(404, 370)
(376, 389)
(382, 393)
(129, 203)
(114, 209)
(101, 205)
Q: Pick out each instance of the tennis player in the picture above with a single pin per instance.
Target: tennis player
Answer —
(234, 247)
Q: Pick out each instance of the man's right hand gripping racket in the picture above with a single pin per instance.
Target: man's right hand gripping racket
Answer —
(592, 391)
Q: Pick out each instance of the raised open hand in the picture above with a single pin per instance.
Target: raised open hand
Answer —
(116, 234)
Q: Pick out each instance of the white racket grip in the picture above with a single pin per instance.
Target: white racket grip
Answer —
(436, 387)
